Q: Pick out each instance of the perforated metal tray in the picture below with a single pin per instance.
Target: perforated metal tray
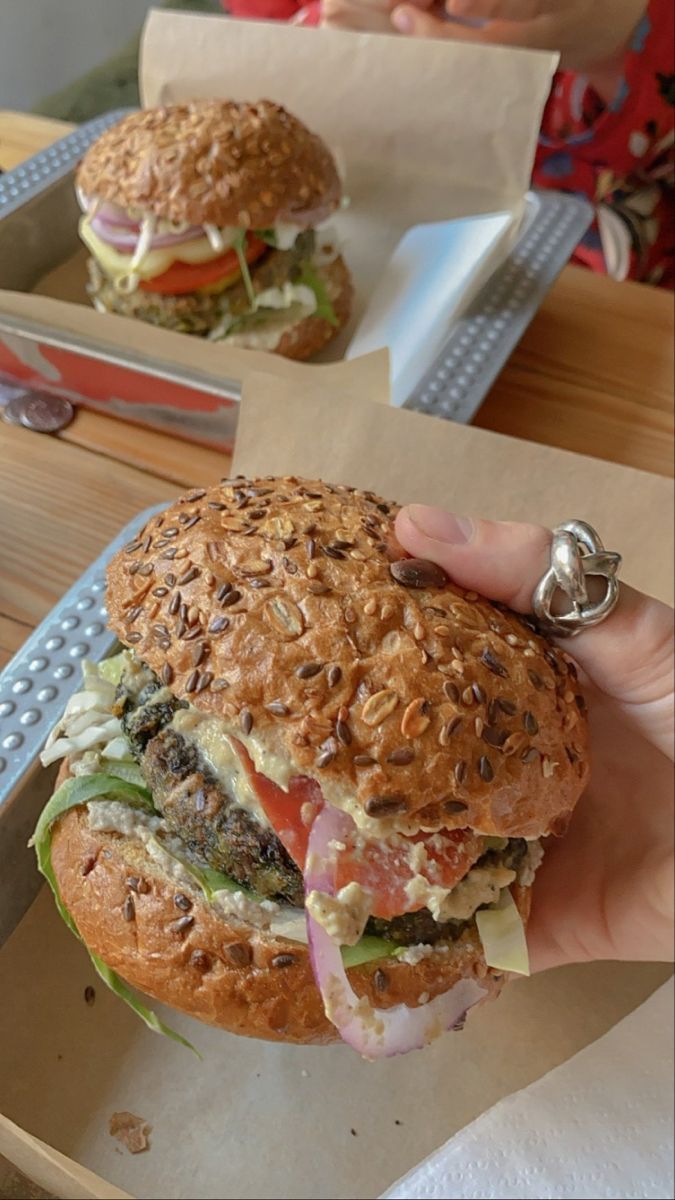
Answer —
(38, 230)
(34, 689)
(483, 338)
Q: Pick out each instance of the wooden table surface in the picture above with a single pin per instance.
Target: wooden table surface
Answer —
(593, 374)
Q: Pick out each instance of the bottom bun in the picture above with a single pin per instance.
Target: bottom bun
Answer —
(218, 969)
(201, 312)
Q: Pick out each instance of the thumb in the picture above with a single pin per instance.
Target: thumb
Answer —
(629, 656)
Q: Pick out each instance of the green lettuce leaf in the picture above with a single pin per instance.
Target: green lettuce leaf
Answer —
(126, 769)
(369, 949)
(111, 668)
(312, 279)
(267, 235)
(72, 793)
(238, 247)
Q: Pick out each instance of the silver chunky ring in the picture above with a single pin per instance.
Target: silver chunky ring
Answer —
(576, 552)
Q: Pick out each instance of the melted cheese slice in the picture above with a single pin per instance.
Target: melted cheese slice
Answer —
(117, 265)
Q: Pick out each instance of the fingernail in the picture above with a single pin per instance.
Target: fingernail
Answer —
(402, 20)
(441, 525)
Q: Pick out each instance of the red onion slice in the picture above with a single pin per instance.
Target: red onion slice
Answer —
(126, 237)
(374, 1032)
(113, 214)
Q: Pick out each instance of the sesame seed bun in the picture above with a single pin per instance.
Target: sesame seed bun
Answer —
(214, 162)
(285, 607)
(220, 970)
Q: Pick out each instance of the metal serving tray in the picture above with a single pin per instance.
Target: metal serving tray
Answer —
(34, 689)
(38, 230)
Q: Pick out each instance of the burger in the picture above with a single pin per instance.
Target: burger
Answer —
(202, 218)
(305, 800)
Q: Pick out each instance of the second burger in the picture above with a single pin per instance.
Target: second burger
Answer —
(201, 218)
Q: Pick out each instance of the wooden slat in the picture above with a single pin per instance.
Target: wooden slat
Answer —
(12, 635)
(60, 506)
(161, 453)
(22, 135)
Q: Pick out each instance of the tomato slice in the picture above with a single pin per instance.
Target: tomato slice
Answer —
(383, 867)
(183, 277)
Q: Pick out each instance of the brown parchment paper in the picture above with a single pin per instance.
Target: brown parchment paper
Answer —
(410, 457)
(204, 360)
(266, 1121)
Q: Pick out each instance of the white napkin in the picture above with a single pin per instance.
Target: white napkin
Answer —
(600, 1125)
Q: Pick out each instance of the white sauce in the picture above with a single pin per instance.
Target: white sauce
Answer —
(207, 735)
(286, 235)
(415, 954)
(147, 232)
(530, 864)
(115, 817)
(482, 885)
(342, 916)
(161, 846)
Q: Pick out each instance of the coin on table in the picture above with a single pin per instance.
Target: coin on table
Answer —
(39, 411)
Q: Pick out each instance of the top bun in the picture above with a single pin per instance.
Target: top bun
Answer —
(286, 606)
(214, 162)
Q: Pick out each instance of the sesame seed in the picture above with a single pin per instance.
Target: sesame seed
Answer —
(277, 708)
(325, 758)
(530, 755)
(204, 681)
(283, 960)
(343, 732)
(478, 693)
(199, 653)
(530, 723)
(231, 598)
(461, 769)
(188, 576)
(129, 909)
(246, 721)
(386, 805)
(493, 736)
(334, 675)
(182, 901)
(485, 768)
(192, 681)
(364, 760)
(167, 674)
(309, 670)
(454, 806)
(401, 757)
(219, 625)
(183, 924)
(493, 663)
(451, 690)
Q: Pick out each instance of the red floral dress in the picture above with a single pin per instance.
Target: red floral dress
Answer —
(620, 155)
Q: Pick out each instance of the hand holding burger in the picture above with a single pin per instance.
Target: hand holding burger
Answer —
(306, 800)
(605, 891)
